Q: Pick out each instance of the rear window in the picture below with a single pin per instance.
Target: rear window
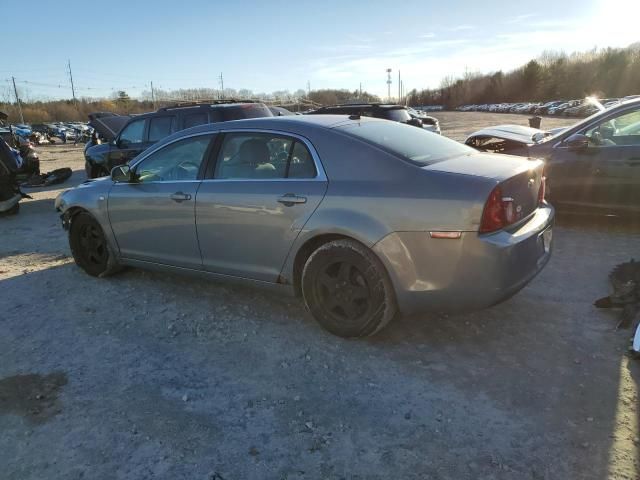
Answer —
(415, 144)
(249, 110)
(194, 119)
(397, 115)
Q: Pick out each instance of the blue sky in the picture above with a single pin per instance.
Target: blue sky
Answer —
(277, 45)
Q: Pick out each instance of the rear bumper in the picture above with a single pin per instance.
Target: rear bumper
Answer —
(470, 273)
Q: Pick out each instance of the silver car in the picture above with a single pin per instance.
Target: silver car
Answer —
(363, 218)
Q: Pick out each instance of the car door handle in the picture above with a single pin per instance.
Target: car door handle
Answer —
(291, 199)
(180, 197)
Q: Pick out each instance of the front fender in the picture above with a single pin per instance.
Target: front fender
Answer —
(90, 196)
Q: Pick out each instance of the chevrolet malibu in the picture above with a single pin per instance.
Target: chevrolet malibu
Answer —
(362, 218)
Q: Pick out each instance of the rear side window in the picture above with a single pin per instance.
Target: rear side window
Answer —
(248, 110)
(194, 119)
(160, 127)
(397, 115)
(412, 143)
(263, 156)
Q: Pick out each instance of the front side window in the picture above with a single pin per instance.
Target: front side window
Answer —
(179, 161)
(263, 156)
(160, 127)
(133, 132)
(623, 129)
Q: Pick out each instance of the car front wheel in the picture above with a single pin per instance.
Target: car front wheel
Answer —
(347, 290)
(89, 246)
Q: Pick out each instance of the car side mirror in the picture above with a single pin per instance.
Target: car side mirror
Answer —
(121, 174)
(577, 142)
(416, 122)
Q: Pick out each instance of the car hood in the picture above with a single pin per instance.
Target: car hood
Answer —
(488, 165)
(108, 126)
(515, 133)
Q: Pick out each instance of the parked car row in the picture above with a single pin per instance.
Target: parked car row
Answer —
(566, 108)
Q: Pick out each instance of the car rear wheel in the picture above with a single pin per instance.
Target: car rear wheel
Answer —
(347, 289)
(89, 246)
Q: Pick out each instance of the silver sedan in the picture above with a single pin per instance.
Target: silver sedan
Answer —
(363, 218)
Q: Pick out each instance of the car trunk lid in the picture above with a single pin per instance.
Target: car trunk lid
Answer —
(518, 179)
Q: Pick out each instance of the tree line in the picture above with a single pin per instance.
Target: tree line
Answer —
(120, 102)
(606, 73)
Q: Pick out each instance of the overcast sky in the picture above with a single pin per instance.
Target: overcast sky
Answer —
(277, 45)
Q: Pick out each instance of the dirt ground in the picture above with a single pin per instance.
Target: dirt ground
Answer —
(149, 375)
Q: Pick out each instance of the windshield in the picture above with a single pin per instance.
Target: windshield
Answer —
(581, 122)
(412, 143)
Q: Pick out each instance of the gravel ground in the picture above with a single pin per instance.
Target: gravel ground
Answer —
(150, 375)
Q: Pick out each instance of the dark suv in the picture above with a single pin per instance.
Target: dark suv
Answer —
(396, 113)
(142, 131)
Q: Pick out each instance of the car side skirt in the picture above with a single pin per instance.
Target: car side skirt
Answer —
(216, 277)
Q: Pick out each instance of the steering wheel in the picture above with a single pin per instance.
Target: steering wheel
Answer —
(180, 172)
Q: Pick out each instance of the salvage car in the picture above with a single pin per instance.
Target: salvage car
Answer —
(593, 166)
(362, 218)
(142, 131)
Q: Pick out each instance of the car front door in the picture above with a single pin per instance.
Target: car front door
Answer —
(153, 216)
(606, 173)
(257, 197)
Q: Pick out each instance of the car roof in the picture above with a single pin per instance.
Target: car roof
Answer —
(213, 105)
(292, 123)
(381, 106)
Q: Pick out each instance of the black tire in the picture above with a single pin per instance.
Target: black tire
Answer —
(89, 246)
(12, 211)
(347, 289)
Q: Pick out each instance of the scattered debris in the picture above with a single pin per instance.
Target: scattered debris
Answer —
(59, 175)
(625, 280)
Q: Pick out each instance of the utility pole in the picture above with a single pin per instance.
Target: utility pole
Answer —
(15, 90)
(221, 87)
(360, 89)
(308, 88)
(399, 88)
(153, 97)
(388, 84)
(73, 91)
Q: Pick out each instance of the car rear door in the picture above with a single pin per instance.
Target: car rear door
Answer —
(257, 196)
(153, 218)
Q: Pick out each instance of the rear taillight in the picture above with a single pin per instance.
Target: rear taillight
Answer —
(493, 215)
(498, 212)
